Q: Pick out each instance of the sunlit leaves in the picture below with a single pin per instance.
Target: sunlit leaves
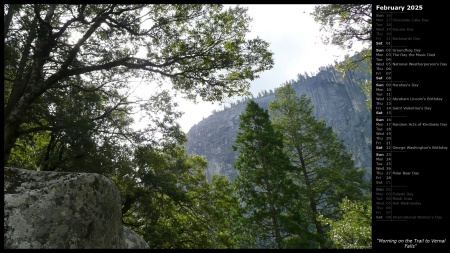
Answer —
(68, 105)
(354, 229)
(347, 23)
(200, 49)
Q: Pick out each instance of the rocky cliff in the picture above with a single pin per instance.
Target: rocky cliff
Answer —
(339, 101)
(56, 210)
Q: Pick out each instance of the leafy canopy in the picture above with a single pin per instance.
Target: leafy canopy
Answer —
(70, 70)
(354, 229)
(52, 50)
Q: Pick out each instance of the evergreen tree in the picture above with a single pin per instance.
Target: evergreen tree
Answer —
(323, 169)
(263, 183)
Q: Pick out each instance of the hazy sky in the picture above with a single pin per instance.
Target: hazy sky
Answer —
(294, 39)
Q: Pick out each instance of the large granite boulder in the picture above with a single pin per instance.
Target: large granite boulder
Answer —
(63, 210)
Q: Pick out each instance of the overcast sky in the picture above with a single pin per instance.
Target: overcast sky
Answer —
(294, 39)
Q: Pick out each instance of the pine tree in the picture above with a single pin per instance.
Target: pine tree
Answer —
(263, 184)
(324, 171)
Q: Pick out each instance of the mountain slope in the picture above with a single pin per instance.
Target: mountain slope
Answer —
(339, 101)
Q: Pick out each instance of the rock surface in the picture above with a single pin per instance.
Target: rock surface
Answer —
(63, 210)
(339, 101)
(133, 240)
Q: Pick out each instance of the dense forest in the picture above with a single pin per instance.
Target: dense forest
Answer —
(67, 109)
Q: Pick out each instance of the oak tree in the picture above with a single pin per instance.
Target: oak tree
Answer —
(49, 48)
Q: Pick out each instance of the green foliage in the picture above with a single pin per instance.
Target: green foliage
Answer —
(266, 191)
(324, 172)
(227, 216)
(347, 24)
(68, 105)
(161, 201)
(29, 150)
(53, 51)
(354, 229)
(169, 201)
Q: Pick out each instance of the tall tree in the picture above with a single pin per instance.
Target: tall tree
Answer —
(348, 24)
(199, 49)
(263, 184)
(324, 171)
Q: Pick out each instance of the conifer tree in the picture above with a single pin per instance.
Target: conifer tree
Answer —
(324, 171)
(263, 183)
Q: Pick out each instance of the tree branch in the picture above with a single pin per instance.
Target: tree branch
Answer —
(38, 129)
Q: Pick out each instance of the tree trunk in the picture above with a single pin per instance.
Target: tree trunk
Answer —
(7, 21)
(10, 137)
(28, 84)
(312, 202)
(12, 120)
(274, 217)
(50, 148)
(276, 226)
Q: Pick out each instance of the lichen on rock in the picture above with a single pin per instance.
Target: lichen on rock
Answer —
(44, 209)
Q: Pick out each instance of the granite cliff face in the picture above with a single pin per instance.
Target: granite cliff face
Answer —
(339, 101)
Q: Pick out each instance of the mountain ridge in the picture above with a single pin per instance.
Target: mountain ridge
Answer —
(336, 99)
